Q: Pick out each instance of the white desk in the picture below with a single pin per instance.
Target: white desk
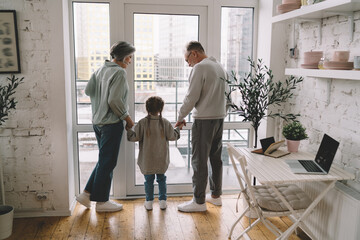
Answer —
(270, 171)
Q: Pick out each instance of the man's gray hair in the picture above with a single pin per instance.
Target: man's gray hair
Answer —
(120, 50)
(194, 46)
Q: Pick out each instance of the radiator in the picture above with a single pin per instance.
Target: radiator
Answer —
(337, 216)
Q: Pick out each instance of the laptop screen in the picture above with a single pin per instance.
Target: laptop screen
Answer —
(326, 152)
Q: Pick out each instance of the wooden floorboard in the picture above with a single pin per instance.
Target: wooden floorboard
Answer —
(135, 222)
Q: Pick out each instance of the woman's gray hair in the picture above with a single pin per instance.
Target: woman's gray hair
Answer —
(120, 50)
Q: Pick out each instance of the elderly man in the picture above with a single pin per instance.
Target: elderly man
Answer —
(206, 94)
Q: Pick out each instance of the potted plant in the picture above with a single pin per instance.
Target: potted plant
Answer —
(7, 102)
(259, 91)
(294, 132)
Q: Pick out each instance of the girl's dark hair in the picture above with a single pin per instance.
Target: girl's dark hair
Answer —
(155, 105)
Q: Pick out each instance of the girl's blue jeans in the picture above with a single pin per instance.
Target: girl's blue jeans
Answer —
(108, 138)
(149, 186)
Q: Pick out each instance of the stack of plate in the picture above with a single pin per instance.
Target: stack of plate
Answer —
(288, 5)
(311, 59)
(339, 61)
(334, 65)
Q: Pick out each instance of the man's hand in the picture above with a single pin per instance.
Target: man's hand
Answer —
(180, 124)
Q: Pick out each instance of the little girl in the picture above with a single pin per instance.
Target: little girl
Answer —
(154, 133)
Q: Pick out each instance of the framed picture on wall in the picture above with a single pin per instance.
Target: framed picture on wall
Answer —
(9, 46)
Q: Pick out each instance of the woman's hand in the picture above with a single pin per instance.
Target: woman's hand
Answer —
(129, 123)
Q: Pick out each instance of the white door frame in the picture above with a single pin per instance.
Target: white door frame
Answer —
(130, 9)
(210, 39)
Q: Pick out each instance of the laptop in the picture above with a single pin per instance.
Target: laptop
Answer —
(323, 159)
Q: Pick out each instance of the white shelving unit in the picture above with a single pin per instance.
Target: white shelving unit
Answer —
(316, 12)
(320, 10)
(321, 73)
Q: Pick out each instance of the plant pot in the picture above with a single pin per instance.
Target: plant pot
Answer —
(292, 145)
(6, 221)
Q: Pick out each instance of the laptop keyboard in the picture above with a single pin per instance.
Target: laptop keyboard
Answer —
(310, 166)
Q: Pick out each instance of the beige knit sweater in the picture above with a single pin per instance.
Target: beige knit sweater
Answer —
(153, 146)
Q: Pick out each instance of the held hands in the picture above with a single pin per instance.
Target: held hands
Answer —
(180, 124)
(129, 123)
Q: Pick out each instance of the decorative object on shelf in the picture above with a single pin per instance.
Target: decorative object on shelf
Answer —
(294, 132)
(341, 56)
(339, 61)
(311, 59)
(309, 2)
(357, 62)
(7, 102)
(9, 53)
(259, 91)
(288, 5)
(321, 63)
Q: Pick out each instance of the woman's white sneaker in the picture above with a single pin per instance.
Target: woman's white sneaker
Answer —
(84, 199)
(108, 206)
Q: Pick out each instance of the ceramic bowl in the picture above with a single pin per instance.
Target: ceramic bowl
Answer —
(341, 56)
(312, 57)
(291, 1)
(284, 8)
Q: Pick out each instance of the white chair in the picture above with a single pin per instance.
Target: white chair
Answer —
(262, 201)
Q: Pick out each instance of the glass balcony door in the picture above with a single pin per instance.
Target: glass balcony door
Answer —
(159, 34)
(159, 31)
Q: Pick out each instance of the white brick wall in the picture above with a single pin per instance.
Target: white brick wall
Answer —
(340, 118)
(29, 146)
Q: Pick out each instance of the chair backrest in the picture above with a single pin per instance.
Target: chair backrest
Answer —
(243, 175)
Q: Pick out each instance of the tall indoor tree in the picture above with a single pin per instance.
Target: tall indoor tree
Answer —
(7, 102)
(259, 91)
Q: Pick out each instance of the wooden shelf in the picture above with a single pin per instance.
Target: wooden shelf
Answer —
(322, 73)
(320, 10)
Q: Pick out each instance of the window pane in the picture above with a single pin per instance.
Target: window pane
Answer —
(180, 168)
(88, 157)
(92, 41)
(159, 56)
(236, 45)
(160, 69)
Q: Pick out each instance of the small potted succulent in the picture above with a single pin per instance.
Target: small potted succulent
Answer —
(294, 132)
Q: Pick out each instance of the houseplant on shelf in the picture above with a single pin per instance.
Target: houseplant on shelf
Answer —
(259, 91)
(294, 132)
(7, 102)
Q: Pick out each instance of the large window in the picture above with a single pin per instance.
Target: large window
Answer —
(92, 40)
(159, 33)
(159, 40)
(91, 45)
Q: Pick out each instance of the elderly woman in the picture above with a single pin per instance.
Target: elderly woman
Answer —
(108, 91)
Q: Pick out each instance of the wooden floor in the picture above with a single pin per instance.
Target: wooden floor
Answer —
(135, 222)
